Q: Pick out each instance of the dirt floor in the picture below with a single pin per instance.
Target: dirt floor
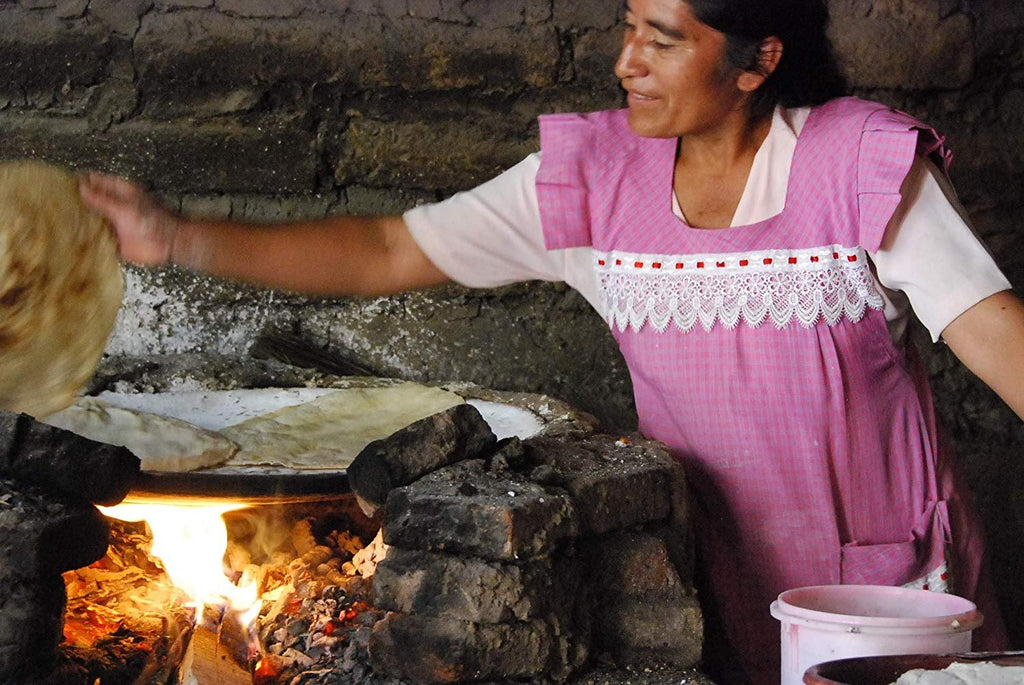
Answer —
(657, 675)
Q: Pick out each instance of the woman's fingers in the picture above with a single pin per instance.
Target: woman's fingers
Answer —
(144, 229)
(102, 187)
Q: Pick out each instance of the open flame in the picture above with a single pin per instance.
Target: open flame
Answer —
(190, 540)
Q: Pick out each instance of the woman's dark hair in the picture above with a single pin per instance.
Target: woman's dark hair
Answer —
(808, 73)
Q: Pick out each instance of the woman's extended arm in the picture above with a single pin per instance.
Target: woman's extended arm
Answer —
(341, 255)
(989, 339)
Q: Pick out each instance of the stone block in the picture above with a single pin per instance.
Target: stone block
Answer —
(643, 609)
(43, 535)
(63, 462)
(275, 156)
(366, 200)
(424, 446)
(70, 9)
(165, 5)
(584, 15)
(189, 59)
(603, 474)
(120, 16)
(31, 625)
(421, 55)
(443, 10)
(941, 55)
(468, 509)
(46, 60)
(538, 11)
(640, 631)
(473, 589)
(438, 650)
(436, 153)
(634, 563)
(488, 14)
(262, 8)
(594, 57)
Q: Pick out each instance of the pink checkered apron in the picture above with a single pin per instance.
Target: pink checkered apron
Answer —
(760, 355)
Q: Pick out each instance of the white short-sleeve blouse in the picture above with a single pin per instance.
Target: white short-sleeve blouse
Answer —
(930, 260)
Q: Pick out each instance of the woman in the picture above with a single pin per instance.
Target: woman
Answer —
(754, 240)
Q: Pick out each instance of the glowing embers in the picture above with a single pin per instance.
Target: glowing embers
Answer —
(293, 565)
(125, 622)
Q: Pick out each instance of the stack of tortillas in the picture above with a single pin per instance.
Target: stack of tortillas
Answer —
(60, 288)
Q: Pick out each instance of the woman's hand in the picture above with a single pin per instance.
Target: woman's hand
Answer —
(145, 230)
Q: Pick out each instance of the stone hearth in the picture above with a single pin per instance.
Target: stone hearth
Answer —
(563, 557)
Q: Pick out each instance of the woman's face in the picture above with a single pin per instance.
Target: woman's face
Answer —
(673, 68)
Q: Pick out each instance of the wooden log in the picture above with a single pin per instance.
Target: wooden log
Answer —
(61, 461)
(217, 653)
(422, 447)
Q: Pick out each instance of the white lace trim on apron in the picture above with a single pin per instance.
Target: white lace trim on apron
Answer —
(782, 286)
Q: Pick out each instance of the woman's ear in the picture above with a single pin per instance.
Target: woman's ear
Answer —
(768, 55)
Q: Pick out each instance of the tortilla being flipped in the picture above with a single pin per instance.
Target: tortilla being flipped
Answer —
(60, 288)
(329, 432)
(161, 443)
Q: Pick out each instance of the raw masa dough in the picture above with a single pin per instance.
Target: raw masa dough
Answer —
(161, 443)
(60, 288)
(980, 673)
(329, 432)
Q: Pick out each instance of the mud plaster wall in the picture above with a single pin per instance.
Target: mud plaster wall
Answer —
(267, 110)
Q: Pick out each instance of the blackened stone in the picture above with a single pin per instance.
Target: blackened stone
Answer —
(634, 562)
(43, 534)
(61, 461)
(182, 156)
(505, 516)
(473, 589)
(643, 610)
(444, 438)
(31, 624)
(438, 650)
(639, 631)
(615, 483)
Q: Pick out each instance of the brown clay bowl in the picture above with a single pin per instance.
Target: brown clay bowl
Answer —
(883, 670)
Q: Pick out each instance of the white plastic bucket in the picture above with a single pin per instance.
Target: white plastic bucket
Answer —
(827, 622)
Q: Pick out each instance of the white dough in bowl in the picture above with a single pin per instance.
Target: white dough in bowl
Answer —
(978, 673)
